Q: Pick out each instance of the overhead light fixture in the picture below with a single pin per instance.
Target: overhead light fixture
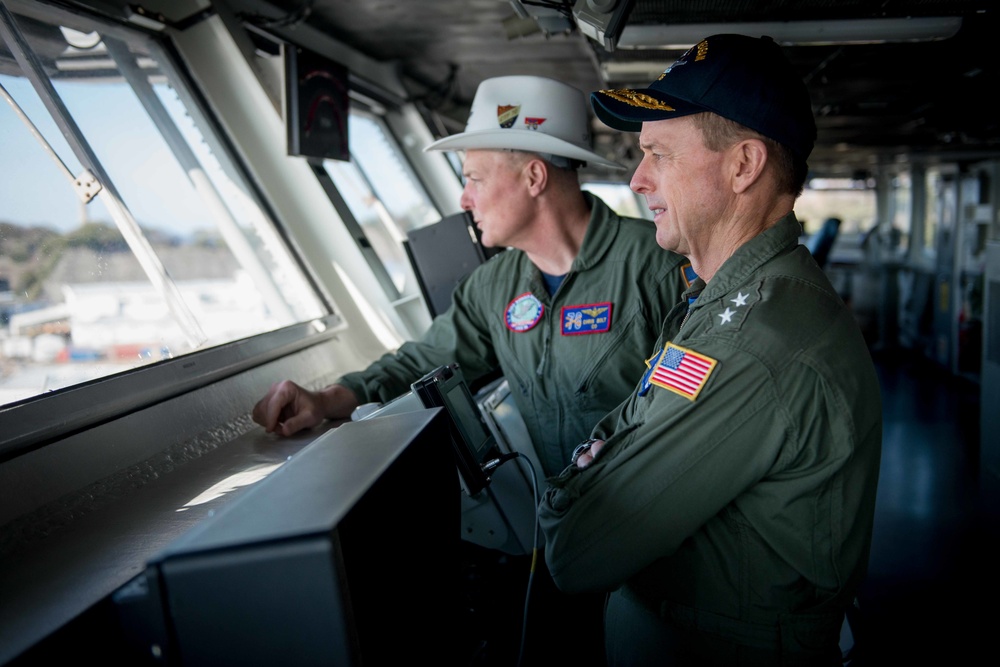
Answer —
(545, 15)
(801, 33)
(602, 20)
(146, 18)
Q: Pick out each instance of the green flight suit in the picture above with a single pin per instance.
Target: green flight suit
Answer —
(735, 493)
(580, 358)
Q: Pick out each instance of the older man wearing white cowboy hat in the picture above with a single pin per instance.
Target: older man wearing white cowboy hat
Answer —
(562, 313)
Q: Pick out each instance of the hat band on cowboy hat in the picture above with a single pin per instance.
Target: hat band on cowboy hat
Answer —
(745, 79)
(527, 113)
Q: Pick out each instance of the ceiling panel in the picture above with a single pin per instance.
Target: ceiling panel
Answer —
(873, 102)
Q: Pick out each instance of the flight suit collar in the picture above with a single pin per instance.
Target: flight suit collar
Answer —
(597, 242)
(748, 258)
(600, 236)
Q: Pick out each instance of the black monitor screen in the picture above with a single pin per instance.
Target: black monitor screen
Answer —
(316, 105)
(467, 415)
(445, 387)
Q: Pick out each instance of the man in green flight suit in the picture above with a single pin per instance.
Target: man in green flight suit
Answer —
(728, 503)
(562, 314)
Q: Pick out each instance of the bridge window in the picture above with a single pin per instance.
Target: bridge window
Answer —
(382, 195)
(127, 234)
(902, 213)
(852, 200)
(620, 198)
(941, 209)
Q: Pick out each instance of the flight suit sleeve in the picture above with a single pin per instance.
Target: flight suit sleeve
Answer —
(668, 466)
(459, 335)
(606, 427)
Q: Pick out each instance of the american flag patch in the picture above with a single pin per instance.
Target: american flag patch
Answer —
(682, 371)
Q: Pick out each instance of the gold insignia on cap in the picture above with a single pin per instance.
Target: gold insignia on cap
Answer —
(635, 99)
(702, 50)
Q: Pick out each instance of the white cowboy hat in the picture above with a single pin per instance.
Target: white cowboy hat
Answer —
(527, 113)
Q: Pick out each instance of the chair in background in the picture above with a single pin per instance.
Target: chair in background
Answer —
(821, 242)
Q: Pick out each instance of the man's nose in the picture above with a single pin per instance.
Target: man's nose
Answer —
(639, 182)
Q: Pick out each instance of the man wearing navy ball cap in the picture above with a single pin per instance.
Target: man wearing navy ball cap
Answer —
(727, 504)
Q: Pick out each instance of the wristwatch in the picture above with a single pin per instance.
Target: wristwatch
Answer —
(581, 449)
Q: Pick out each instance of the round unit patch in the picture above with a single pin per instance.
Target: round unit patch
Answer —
(524, 312)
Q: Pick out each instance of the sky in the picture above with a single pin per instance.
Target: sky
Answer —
(34, 190)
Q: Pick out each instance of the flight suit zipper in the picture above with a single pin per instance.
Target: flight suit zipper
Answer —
(546, 337)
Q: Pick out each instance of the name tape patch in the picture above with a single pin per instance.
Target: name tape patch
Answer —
(588, 318)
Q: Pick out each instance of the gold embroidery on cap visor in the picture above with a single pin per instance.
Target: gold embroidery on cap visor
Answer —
(634, 99)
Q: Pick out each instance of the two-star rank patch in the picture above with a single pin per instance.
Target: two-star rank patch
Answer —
(678, 369)
(590, 318)
(732, 311)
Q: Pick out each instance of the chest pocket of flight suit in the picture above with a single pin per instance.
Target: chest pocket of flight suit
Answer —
(614, 363)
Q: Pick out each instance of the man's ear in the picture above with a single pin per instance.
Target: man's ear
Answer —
(749, 158)
(536, 173)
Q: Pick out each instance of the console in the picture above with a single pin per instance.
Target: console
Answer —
(345, 555)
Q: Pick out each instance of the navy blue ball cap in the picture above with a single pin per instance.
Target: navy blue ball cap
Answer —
(742, 78)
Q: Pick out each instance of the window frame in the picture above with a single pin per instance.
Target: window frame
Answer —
(29, 424)
(34, 422)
